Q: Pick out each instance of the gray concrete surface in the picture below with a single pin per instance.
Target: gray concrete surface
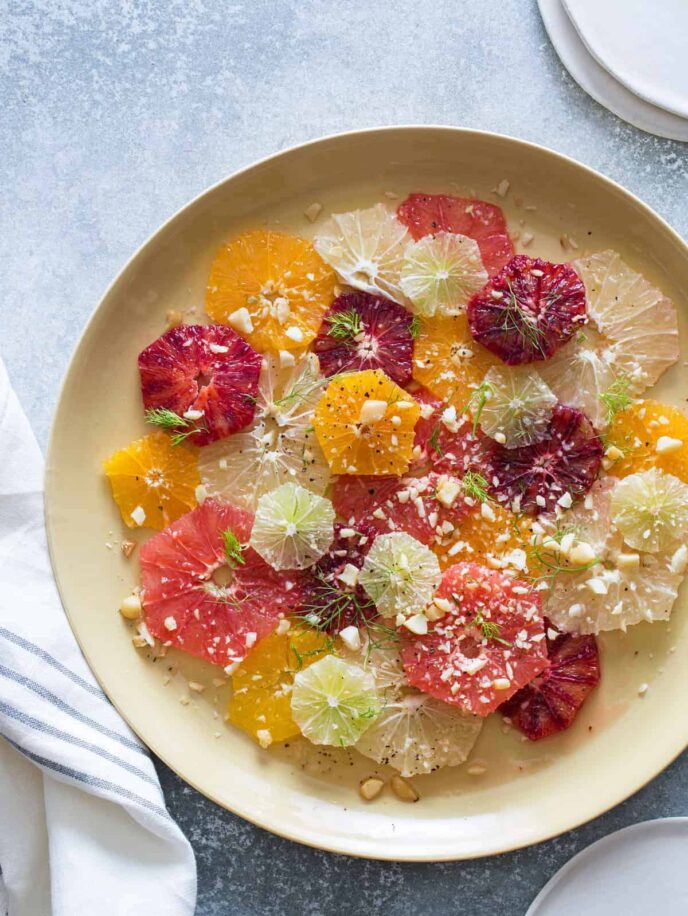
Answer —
(114, 114)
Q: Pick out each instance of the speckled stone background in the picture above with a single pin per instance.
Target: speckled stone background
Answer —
(114, 114)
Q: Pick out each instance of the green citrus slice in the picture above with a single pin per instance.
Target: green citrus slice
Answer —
(518, 407)
(293, 527)
(650, 509)
(334, 702)
(441, 272)
(400, 574)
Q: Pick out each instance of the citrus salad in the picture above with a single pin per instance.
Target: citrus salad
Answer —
(402, 478)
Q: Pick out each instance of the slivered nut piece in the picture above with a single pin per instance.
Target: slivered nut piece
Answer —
(614, 453)
(628, 561)
(174, 318)
(128, 547)
(130, 608)
(447, 492)
(666, 445)
(351, 638)
(241, 321)
(313, 212)
(403, 789)
(371, 787)
(195, 686)
(417, 624)
(372, 411)
(581, 554)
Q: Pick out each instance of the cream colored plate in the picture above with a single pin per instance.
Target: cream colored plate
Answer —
(529, 791)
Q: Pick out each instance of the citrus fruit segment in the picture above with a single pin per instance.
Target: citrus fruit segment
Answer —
(445, 441)
(293, 527)
(400, 574)
(428, 508)
(417, 734)
(650, 509)
(528, 310)
(490, 535)
(205, 374)
(366, 248)
(617, 588)
(555, 471)
(648, 435)
(272, 288)
(365, 424)
(280, 446)
(361, 331)
(447, 361)
(333, 702)
(519, 406)
(441, 272)
(637, 320)
(550, 702)
(198, 599)
(335, 599)
(153, 483)
(428, 214)
(489, 643)
(262, 683)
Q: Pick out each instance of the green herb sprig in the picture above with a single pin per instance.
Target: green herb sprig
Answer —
(168, 419)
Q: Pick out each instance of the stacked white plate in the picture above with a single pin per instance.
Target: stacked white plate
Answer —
(629, 55)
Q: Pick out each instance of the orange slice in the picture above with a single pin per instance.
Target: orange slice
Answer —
(494, 537)
(262, 683)
(447, 361)
(365, 424)
(153, 482)
(271, 288)
(648, 435)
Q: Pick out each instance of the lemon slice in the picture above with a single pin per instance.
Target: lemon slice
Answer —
(293, 527)
(518, 407)
(418, 734)
(366, 248)
(441, 272)
(650, 509)
(400, 574)
(334, 702)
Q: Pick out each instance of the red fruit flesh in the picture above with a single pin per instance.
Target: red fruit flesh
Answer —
(213, 615)
(532, 478)
(447, 451)
(397, 504)
(205, 368)
(552, 700)
(487, 648)
(337, 605)
(428, 214)
(528, 310)
(384, 341)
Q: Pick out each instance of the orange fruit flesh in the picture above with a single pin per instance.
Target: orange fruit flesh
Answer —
(155, 476)
(636, 431)
(261, 685)
(355, 444)
(447, 361)
(281, 281)
(482, 538)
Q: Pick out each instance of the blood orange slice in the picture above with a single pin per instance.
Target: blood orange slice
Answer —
(489, 643)
(361, 331)
(206, 375)
(429, 214)
(550, 702)
(209, 604)
(556, 470)
(528, 310)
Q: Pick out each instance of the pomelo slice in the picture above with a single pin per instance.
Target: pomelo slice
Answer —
(441, 272)
(634, 436)
(551, 701)
(366, 248)
(361, 331)
(293, 527)
(623, 587)
(196, 599)
(489, 643)
(429, 214)
(280, 446)
(205, 374)
(650, 509)
(528, 310)
(400, 574)
(333, 702)
(519, 406)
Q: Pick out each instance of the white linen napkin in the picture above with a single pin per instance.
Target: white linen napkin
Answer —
(83, 823)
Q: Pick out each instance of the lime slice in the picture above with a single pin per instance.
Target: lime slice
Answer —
(441, 272)
(366, 248)
(650, 509)
(293, 527)
(334, 701)
(400, 574)
(418, 734)
(518, 408)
